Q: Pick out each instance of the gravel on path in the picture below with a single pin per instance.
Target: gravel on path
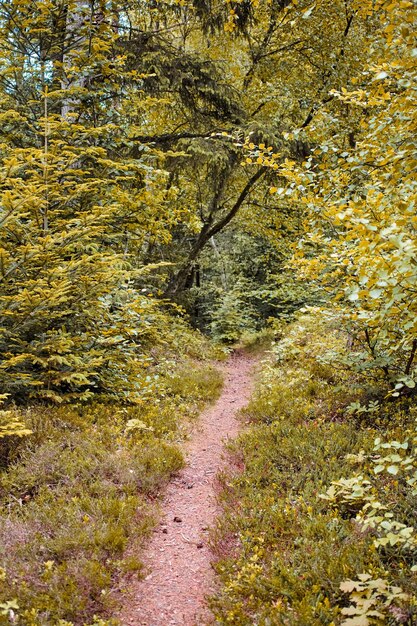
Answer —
(178, 558)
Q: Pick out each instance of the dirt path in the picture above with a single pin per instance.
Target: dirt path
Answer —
(178, 557)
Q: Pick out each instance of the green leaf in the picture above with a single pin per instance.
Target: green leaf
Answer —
(375, 293)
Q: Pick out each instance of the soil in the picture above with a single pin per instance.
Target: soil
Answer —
(178, 558)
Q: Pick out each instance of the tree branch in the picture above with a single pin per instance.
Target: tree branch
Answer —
(241, 199)
(317, 105)
(173, 137)
(411, 357)
(179, 281)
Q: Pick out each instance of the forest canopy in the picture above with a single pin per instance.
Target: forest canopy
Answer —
(176, 152)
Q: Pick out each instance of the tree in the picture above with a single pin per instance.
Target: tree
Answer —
(361, 197)
(76, 206)
(268, 84)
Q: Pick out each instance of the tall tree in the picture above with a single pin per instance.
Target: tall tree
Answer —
(76, 206)
(270, 83)
(361, 198)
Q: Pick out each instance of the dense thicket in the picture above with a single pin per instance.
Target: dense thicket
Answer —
(360, 194)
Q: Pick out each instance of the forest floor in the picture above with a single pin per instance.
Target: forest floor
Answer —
(179, 575)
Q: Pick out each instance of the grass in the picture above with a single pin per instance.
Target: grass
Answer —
(85, 484)
(283, 551)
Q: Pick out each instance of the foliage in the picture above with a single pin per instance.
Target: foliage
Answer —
(131, 163)
(268, 84)
(76, 207)
(232, 316)
(393, 467)
(285, 554)
(183, 151)
(372, 599)
(358, 188)
(12, 426)
(242, 283)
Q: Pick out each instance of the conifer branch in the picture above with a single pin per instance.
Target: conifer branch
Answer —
(45, 162)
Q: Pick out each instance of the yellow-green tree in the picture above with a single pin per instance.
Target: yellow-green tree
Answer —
(261, 70)
(361, 197)
(77, 206)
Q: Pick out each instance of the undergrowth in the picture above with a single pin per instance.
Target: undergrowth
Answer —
(83, 485)
(318, 524)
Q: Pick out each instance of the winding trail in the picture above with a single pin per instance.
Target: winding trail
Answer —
(178, 557)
